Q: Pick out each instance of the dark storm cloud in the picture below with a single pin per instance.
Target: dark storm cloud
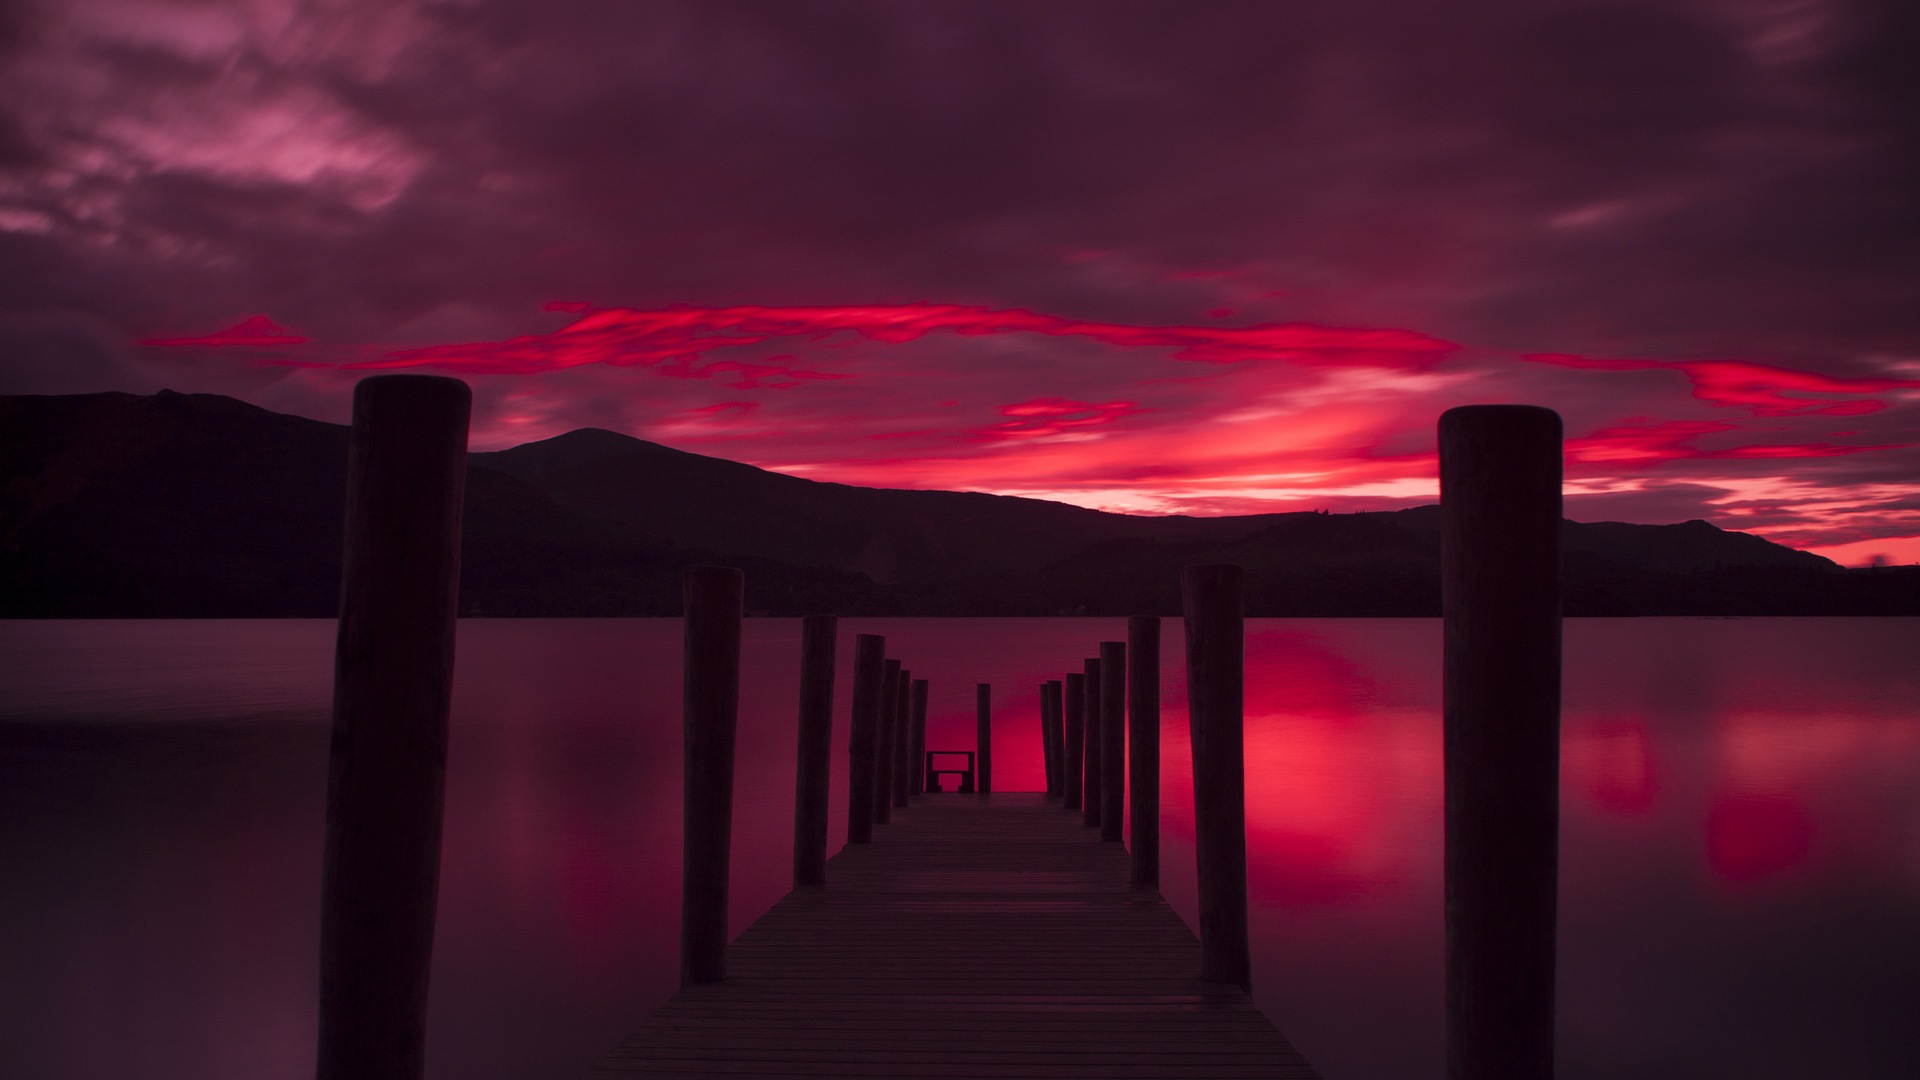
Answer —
(1523, 174)
(66, 353)
(895, 151)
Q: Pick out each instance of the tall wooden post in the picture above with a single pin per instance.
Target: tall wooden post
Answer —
(1143, 746)
(1113, 739)
(813, 770)
(902, 721)
(917, 760)
(392, 685)
(916, 690)
(1500, 479)
(883, 746)
(1091, 801)
(863, 736)
(1046, 737)
(1216, 669)
(1074, 730)
(1056, 732)
(983, 735)
(710, 708)
(1046, 751)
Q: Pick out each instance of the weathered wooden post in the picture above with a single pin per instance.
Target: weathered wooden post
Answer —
(1216, 668)
(1113, 739)
(1046, 737)
(918, 762)
(1090, 795)
(1074, 730)
(1046, 749)
(1143, 746)
(1056, 731)
(983, 735)
(392, 684)
(814, 768)
(883, 746)
(903, 746)
(1500, 479)
(710, 706)
(902, 714)
(863, 736)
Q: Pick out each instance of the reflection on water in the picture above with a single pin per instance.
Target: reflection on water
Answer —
(1740, 836)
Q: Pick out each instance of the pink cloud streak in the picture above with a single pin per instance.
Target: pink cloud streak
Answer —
(675, 338)
(1762, 389)
(1050, 416)
(254, 332)
(1327, 426)
(1638, 446)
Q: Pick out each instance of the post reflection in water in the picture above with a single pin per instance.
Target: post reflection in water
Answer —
(1740, 823)
(1609, 761)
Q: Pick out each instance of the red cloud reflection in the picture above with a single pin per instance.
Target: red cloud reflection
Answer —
(1641, 445)
(1759, 388)
(257, 331)
(675, 338)
(1327, 775)
(1612, 763)
(1756, 836)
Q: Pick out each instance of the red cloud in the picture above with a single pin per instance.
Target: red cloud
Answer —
(1760, 388)
(1635, 446)
(754, 376)
(257, 331)
(718, 408)
(1052, 416)
(674, 339)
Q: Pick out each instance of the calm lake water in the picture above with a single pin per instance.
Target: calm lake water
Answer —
(1740, 871)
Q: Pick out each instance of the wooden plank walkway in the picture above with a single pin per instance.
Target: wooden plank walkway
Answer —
(977, 936)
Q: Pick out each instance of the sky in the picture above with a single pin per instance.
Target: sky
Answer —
(1206, 257)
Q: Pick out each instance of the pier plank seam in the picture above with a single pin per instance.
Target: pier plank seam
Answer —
(977, 936)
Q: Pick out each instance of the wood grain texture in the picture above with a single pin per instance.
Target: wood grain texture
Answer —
(977, 936)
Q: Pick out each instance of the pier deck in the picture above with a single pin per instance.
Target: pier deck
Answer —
(977, 936)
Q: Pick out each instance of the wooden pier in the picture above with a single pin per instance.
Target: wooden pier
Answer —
(980, 934)
(976, 936)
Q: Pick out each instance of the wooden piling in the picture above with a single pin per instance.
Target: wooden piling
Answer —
(1500, 490)
(814, 766)
(1143, 747)
(1073, 728)
(902, 711)
(863, 736)
(903, 769)
(1216, 663)
(883, 746)
(1046, 749)
(1090, 796)
(710, 707)
(917, 769)
(1046, 737)
(1113, 739)
(1056, 734)
(392, 684)
(983, 736)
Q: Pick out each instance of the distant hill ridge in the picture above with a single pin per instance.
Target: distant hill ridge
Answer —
(201, 505)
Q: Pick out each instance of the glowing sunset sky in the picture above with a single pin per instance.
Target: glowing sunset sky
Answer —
(1203, 257)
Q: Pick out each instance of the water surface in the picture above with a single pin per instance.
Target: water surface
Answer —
(1740, 873)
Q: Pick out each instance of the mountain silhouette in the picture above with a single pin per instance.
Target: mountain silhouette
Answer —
(118, 505)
